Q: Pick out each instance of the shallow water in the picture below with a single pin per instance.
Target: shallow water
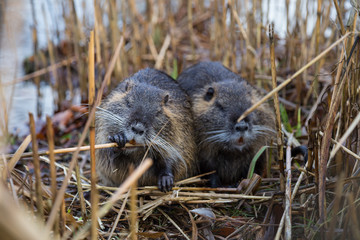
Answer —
(15, 45)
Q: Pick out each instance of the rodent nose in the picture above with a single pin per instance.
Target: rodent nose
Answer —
(241, 126)
(138, 129)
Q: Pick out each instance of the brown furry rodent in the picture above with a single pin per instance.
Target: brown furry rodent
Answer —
(218, 98)
(147, 108)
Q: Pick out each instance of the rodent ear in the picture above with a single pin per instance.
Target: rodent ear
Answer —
(126, 86)
(209, 94)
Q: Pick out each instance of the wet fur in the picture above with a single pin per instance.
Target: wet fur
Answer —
(169, 130)
(215, 117)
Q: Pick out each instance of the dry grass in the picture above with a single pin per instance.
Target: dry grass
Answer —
(317, 73)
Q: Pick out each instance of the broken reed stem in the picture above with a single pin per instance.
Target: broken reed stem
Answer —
(280, 141)
(139, 171)
(50, 138)
(38, 190)
(17, 155)
(94, 193)
(342, 147)
(61, 192)
(288, 193)
(287, 81)
(133, 212)
(345, 136)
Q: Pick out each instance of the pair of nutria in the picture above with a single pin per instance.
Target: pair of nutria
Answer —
(185, 126)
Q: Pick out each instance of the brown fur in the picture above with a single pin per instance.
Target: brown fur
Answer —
(140, 100)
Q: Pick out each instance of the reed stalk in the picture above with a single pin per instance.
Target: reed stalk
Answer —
(94, 193)
(50, 137)
(280, 140)
(38, 188)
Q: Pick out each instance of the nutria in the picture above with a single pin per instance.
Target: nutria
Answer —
(147, 108)
(219, 97)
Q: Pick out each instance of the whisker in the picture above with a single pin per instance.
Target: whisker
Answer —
(263, 128)
(222, 136)
(105, 113)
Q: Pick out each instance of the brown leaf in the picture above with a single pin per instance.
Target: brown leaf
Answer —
(224, 232)
(152, 235)
(61, 119)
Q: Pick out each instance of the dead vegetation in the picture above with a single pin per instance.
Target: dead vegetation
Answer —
(313, 77)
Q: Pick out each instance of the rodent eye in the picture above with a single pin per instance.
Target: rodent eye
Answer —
(166, 98)
(209, 94)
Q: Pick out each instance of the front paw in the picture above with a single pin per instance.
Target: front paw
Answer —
(120, 139)
(166, 182)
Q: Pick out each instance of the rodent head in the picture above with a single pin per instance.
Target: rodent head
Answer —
(216, 110)
(138, 110)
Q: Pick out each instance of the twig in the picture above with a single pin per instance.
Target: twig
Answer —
(160, 57)
(174, 223)
(72, 149)
(189, 180)
(222, 195)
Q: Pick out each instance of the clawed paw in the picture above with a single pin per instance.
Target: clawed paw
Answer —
(120, 139)
(166, 182)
